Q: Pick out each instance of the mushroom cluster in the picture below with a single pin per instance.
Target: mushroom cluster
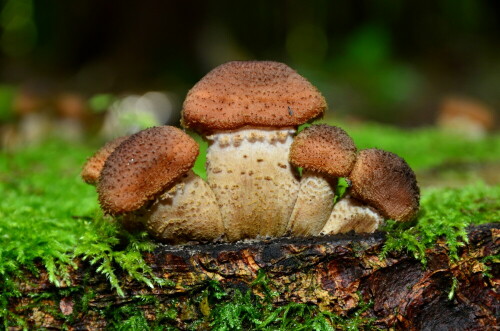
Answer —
(249, 113)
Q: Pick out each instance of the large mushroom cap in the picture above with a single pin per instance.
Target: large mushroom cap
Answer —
(253, 93)
(385, 181)
(324, 149)
(144, 165)
(93, 167)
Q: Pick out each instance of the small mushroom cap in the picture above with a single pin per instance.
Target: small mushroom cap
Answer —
(385, 181)
(456, 108)
(325, 149)
(144, 165)
(251, 93)
(93, 167)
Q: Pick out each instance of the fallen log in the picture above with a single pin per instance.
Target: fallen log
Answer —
(335, 273)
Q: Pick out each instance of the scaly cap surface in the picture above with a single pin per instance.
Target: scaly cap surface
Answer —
(144, 165)
(93, 167)
(251, 93)
(325, 149)
(385, 181)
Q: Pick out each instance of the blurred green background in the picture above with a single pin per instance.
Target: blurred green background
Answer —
(389, 61)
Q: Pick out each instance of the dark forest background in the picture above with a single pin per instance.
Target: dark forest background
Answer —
(389, 61)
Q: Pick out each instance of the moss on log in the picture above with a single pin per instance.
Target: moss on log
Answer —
(336, 273)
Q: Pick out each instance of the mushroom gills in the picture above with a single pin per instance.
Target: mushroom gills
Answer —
(187, 212)
(314, 204)
(255, 186)
(350, 214)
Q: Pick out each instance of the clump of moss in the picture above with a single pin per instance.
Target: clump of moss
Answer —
(446, 213)
(239, 310)
(48, 217)
(130, 317)
(101, 247)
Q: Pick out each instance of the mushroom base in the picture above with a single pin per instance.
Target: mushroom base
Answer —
(349, 214)
(313, 206)
(187, 212)
(255, 185)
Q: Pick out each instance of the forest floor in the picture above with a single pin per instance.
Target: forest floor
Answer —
(49, 218)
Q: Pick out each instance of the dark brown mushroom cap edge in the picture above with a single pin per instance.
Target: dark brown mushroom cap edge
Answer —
(93, 167)
(324, 149)
(251, 93)
(385, 181)
(143, 166)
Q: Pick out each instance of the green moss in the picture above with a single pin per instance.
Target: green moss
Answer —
(49, 216)
(130, 317)
(487, 262)
(445, 213)
(101, 247)
(246, 311)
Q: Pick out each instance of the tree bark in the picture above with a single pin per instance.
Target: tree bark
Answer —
(333, 272)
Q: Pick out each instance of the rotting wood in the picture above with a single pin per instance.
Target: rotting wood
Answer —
(328, 271)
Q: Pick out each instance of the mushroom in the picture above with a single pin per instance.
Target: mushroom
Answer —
(470, 118)
(148, 178)
(325, 153)
(93, 167)
(249, 112)
(383, 186)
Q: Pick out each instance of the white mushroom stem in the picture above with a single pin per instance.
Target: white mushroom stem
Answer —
(314, 204)
(186, 212)
(255, 185)
(351, 214)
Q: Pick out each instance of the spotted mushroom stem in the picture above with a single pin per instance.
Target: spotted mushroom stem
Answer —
(255, 186)
(350, 214)
(148, 180)
(325, 153)
(186, 212)
(314, 204)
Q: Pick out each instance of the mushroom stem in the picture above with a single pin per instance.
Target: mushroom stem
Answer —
(255, 185)
(351, 214)
(186, 212)
(314, 204)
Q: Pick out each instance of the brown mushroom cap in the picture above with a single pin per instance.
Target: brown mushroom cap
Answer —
(325, 149)
(385, 181)
(144, 165)
(253, 93)
(93, 167)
